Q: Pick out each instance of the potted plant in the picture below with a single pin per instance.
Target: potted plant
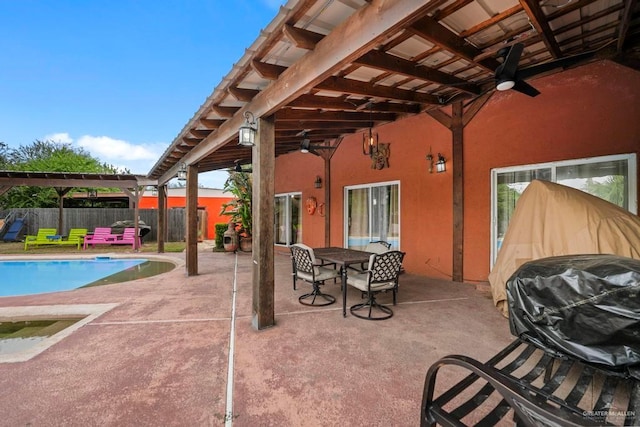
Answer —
(239, 184)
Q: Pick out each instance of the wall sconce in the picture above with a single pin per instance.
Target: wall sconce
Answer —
(318, 182)
(441, 164)
(430, 160)
(247, 132)
(92, 193)
(182, 172)
(370, 142)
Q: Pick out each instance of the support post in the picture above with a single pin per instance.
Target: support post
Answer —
(61, 193)
(457, 130)
(162, 217)
(327, 201)
(136, 219)
(192, 221)
(263, 164)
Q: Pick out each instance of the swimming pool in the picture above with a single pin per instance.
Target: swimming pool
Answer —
(34, 277)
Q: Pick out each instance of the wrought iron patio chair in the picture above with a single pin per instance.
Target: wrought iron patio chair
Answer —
(377, 247)
(380, 276)
(307, 269)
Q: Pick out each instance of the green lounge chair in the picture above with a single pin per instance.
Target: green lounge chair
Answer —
(42, 238)
(76, 237)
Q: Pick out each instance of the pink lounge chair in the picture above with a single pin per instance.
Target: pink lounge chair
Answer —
(128, 237)
(101, 235)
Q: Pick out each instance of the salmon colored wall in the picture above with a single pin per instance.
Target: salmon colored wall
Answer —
(589, 111)
(212, 205)
(410, 142)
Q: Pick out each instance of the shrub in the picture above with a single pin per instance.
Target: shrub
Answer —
(220, 229)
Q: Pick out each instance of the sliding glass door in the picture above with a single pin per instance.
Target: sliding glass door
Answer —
(288, 222)
(612, 178)
(372, 213)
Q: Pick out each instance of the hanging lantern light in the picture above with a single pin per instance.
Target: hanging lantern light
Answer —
(247, 132)
(370, 143)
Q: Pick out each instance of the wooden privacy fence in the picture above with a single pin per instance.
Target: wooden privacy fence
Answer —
(91, 218)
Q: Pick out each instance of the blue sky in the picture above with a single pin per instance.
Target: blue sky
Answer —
(119, 78)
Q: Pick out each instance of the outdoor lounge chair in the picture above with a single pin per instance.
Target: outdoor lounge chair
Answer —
(76, 237)
(306, 268)
(43, 237)
(101, 235)
(128, 237)
(381, 276)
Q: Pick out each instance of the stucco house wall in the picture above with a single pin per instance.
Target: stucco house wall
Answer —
(588, 111)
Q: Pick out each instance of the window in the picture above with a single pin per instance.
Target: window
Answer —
(288, 223)
(372, 213)
(612, 178)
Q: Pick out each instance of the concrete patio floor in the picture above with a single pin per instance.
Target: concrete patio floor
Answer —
(161, 356)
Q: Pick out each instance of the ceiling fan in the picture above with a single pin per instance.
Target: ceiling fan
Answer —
(508, 76)
(240, 168)
(307, 147)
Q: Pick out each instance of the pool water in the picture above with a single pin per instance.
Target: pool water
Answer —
(19, 336)
(35, 277)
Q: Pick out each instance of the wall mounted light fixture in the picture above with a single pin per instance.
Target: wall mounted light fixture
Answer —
(370, 143)
(430, 160)
(182, 172)
(247, 132)
(318, 182)
(441, 164)
(92, 193)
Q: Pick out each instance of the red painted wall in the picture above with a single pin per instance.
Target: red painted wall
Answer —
(589, 111)
(212, 205)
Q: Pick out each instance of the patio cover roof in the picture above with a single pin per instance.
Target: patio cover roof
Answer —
(335, 67)
(9, 179)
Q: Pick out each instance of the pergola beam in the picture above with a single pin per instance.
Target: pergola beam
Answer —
(365, 29)
(540, 23)
(394, 64)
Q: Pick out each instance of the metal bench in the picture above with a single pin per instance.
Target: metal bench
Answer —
(526, 386)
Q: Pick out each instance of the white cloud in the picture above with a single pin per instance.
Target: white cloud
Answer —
(107, 148)
(60, 138)
(137, 158)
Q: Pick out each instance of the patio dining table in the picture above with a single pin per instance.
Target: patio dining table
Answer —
(344, 258)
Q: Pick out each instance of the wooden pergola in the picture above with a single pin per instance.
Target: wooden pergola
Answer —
(132, 185)
(325, 69)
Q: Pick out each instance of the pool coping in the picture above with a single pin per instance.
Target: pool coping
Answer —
(10, 257)
(90, 312)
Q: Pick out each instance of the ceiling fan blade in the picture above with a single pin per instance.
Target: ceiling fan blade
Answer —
(526, 73)
(314, 152)
(524, 87)
(510, 64)
(241, 168)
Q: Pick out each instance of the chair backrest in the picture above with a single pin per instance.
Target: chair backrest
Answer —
(102, 231)
(129, 233)
(76, 233)
(378, 247)
(385, 267)
(44, 232)
(303, 258)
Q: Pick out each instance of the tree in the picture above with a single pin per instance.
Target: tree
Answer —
(45, 156)
(4, 156)
(239, 209)
(612, 189)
